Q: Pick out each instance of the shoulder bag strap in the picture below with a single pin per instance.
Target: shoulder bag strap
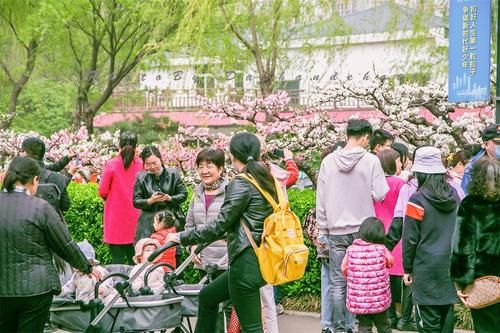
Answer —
(249, 235)
(265, 194)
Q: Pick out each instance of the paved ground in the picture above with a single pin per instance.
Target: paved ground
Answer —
(292, 322)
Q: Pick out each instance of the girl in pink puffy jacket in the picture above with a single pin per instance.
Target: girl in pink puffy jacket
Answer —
(366, 266)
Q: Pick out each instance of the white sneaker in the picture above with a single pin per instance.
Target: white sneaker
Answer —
(279, 309)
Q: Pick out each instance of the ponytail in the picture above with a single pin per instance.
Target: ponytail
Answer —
(262, 175)
(21, 169)
(246, 148)
(128, 142)
(127, 153)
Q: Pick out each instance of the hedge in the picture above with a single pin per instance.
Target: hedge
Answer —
(85, 221)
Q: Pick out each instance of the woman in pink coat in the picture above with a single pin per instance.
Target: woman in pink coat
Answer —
(384, 210)
(116, 187)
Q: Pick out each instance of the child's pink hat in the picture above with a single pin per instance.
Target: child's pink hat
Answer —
(141, 244)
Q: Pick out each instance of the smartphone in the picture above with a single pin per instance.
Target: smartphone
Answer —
(278, 152)
(160, 192)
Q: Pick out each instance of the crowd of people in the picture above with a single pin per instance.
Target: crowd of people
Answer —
(399, 236)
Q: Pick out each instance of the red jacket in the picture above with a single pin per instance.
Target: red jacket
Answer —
(169, 255)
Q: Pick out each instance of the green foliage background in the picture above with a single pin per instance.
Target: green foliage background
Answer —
(85, 221)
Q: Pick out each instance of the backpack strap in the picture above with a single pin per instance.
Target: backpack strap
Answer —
(265, 194)
(249, 235)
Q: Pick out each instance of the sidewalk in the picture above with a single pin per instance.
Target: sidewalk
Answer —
(304, 322)
(301, 322)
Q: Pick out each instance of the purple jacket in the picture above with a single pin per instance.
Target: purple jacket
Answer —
(368, 288)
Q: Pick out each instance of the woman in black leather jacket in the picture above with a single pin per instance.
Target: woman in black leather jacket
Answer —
(30, 232)
(156, 188)
(243, 204)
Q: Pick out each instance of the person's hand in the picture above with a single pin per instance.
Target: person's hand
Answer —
(463, 297)
(167, 197)
(72, 169)
(156, 197)
(173, 237)
(287, 154)
(197, 257)
(407, 279)
(95, 273)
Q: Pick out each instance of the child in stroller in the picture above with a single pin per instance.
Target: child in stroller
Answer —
(81, 286)
(143, 249)
(164, 224)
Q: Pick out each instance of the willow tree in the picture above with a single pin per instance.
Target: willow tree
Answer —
(237, 33)
(104, 40)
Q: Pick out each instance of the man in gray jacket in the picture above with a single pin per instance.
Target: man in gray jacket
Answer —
(349, 180)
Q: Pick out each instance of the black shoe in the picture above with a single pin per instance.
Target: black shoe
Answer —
(326, 330)
(405, 325)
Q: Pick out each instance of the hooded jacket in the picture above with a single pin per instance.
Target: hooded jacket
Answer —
(348, 183)
(427, 233)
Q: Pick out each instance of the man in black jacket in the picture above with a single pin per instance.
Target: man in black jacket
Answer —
(35, 148)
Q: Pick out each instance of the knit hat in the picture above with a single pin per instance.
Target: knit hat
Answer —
(490, 133)
(428, 160)
(88, 251)
(141, 244)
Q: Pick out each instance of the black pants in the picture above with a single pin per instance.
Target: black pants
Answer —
(486, 320)
(24, 314)
(433, 318)
(380, 320)
(240, 284)
(122, 253)
(400, 294)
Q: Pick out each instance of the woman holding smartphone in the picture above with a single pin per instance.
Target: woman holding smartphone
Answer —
(156, 188)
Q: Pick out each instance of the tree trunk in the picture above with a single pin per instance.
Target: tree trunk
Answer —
(11, 108)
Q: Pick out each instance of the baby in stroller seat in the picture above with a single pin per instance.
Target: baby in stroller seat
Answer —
(143, 249)
(164, 224)
(82, 286)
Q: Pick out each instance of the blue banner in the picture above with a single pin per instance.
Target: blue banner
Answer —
(469, 51)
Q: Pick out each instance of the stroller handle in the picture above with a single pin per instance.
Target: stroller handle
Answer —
(160, 250)
(98, 284)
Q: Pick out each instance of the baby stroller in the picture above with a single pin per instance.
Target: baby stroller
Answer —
(125, 313)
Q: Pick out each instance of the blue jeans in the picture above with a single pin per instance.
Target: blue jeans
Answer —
(342, 318)
(326, 301)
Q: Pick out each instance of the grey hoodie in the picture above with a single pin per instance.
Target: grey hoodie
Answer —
(348, 182)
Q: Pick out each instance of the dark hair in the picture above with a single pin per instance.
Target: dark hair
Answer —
(473, 148)
(436, 183)
(402, 150)
(372, 231)
(379, 137)
(455, 158)
(22, 169)
(358, 127)
(330, 149)
(149, 151)
(246, 148)
(127, 144)
(211, 155)
(167, 219)
(388, 159)
(485, 180)
(34, 148)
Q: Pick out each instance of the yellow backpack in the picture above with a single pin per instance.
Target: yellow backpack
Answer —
(282, 254)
